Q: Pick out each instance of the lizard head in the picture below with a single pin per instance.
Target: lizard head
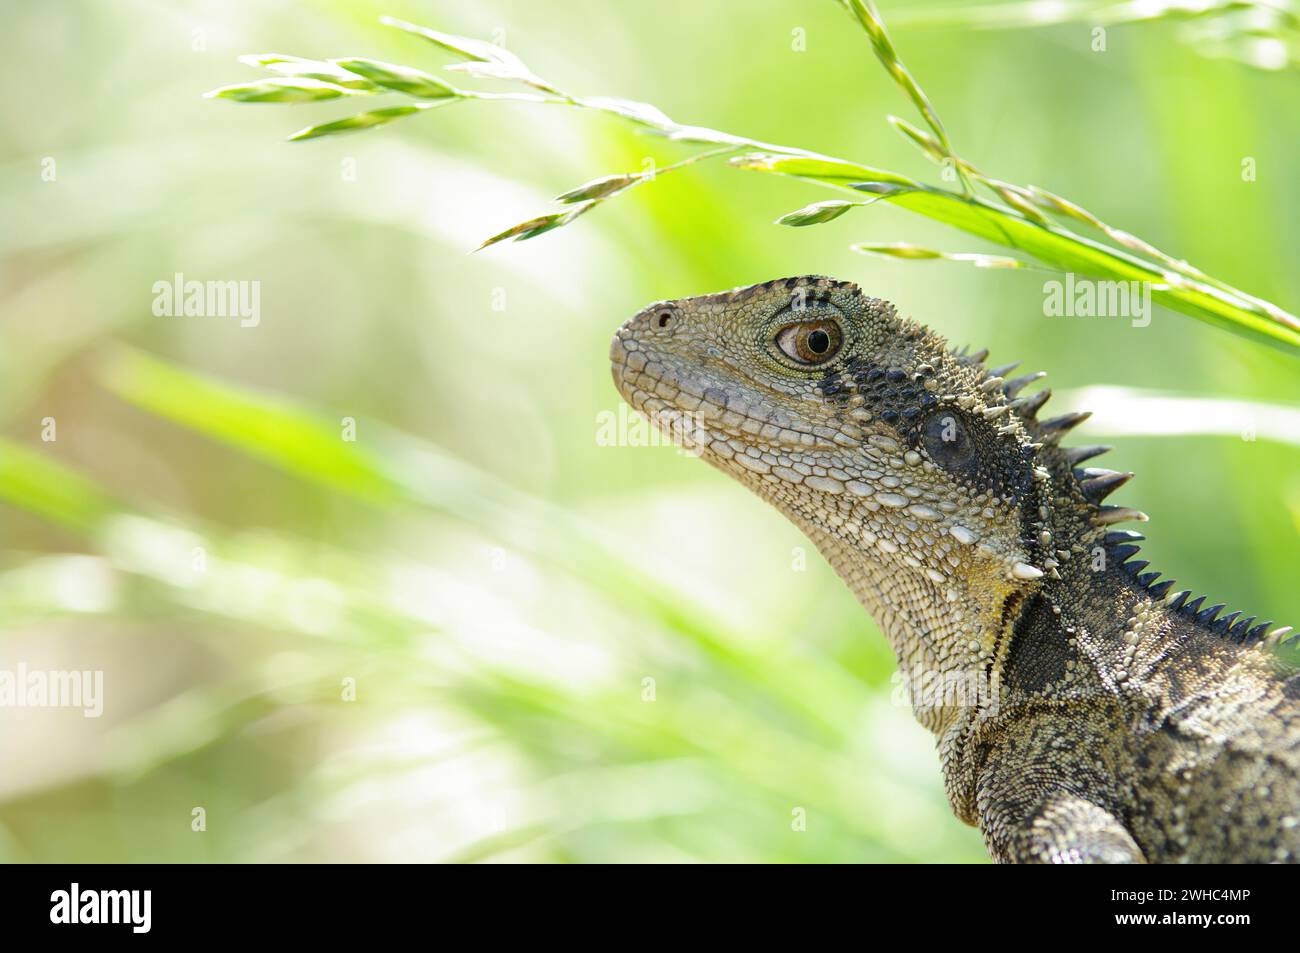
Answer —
(917, 471)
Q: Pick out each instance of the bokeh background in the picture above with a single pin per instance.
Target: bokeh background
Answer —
(560, 650)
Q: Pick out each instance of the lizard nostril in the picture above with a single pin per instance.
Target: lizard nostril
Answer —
(665, 318)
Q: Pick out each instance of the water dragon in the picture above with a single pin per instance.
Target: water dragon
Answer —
(1083, 711)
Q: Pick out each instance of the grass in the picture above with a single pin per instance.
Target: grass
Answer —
(1060, 234)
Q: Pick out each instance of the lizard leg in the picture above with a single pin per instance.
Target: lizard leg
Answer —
(1062, 829)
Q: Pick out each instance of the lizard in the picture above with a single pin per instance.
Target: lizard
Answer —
(1083, 712)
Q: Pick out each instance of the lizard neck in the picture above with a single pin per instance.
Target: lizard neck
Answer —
(949, 650)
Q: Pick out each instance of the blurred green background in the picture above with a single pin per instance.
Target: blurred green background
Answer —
(561, 650)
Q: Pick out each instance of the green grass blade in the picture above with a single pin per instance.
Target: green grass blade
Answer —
(402, 79)
(819, 169)
(864, 11)
(279, 432)
(297, 66)
(917, 253)
(1067, 251)
(817, 213)
(287, 90)
(34, 482)
(361, 121)
(1057, 248)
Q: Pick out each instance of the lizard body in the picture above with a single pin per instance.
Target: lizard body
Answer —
(1082, 711)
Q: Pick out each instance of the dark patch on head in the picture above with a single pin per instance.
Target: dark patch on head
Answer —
(896, 394)
(989, 461)
(887, 391)
(998, 464)
(836, 386)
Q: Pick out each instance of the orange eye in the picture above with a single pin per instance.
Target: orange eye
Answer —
(810, 342)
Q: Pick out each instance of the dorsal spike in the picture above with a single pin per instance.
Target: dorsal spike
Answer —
(1224, 624)
(1075, 455)
(1123, 552)
(1097, 484)
(1257, 633)
(1239, 629)
(1160, 588)
(1034, 403)
(1178, 598)
(1122, 536)
(1206, 615)
(1147, 578)
(1194, 606)
(1004, 370)
(1052, 430)
(979, 356)
(1014, 386)
(1117, 514)
(1136, 566)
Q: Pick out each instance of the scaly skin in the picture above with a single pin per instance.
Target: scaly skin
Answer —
(1082, 712)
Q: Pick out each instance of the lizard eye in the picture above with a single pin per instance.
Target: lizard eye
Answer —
(947, 441)
(810, 342)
